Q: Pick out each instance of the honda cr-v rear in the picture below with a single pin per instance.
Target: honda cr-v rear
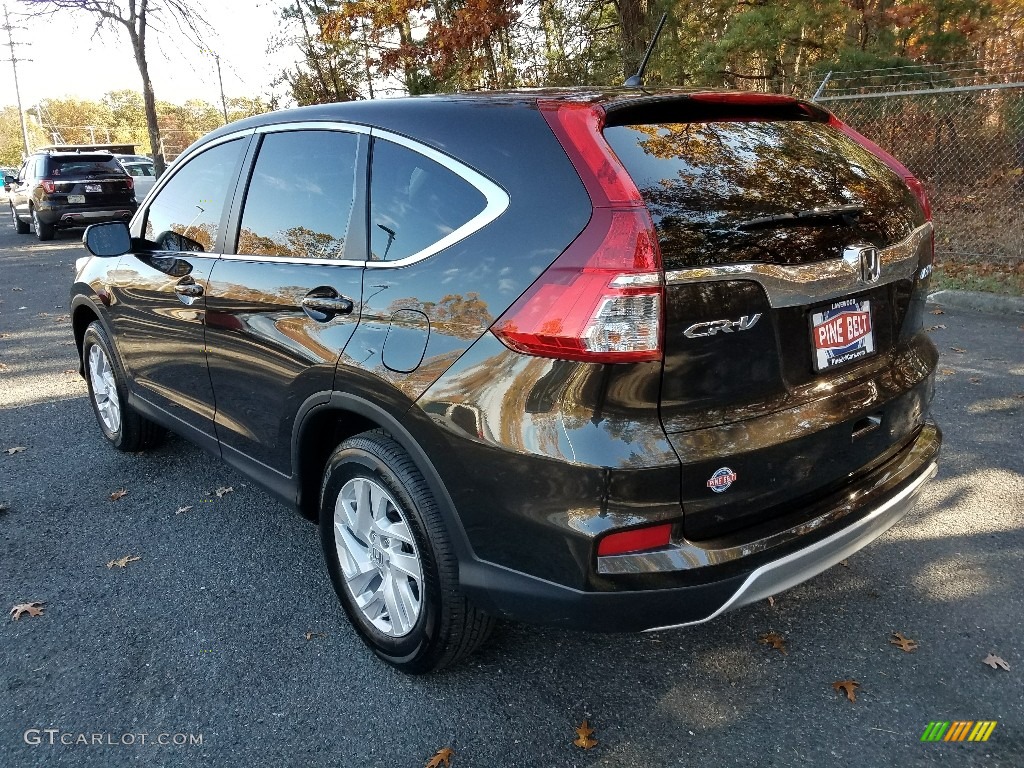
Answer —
(615, 361)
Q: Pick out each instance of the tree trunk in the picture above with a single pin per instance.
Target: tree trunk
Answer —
(633, 34)
(149, 100)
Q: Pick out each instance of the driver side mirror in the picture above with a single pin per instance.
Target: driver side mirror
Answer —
(10, 181)
(110, 239)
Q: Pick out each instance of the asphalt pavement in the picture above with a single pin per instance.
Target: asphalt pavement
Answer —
(224, 640)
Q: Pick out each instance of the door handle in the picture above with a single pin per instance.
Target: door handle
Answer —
(329, 305)
(189, 290)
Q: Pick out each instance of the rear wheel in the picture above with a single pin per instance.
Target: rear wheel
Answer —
(21, 227)
(390, 558)
(43, 230)
(125, 429)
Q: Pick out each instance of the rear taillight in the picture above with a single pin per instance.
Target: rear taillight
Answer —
(636, 540)
(129, 182)
(602, 299)
(48, 186)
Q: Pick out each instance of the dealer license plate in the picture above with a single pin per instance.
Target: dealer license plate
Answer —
(76, 198)
(842, 333)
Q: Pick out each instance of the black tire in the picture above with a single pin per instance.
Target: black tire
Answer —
(43, 230)
(131, 432)
(447, 627)
(21, 227)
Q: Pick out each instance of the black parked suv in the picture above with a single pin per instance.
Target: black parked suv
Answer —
(69, 189)
(609, 360)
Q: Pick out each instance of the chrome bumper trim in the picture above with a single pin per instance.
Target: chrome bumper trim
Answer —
(799, 284)
(779, 575)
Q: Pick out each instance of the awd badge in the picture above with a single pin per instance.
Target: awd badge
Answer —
(721, 480)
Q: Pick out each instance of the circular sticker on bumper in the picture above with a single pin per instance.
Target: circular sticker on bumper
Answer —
(721, 480)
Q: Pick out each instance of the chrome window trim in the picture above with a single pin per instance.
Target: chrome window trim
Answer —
(794, 285)
(496, 198)
(180, 162)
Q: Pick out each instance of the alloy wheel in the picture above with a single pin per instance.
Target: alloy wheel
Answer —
(104, 389)
(378, 557)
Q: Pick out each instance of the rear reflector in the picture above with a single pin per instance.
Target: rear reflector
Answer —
(636, 540)
(602, 299)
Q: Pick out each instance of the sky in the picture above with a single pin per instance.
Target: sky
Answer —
(67, 60)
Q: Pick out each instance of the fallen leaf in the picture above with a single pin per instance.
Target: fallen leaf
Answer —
(583, 740)
(975, 380)
(62, 319)
(903, 643)
(17, 289)
(1019, 396)
(118, 494)
(771, 601)
(959, 350)
(311, 635)
(32, 609)
(938, 311)
(775, 640)
(845, 563)
(15, 449)
(71, 372)
(221, 491)
(994, 661)
(443, 757)
(183, 510)
(947, 371)
(935, 327)
(122, 562)
(849, 686)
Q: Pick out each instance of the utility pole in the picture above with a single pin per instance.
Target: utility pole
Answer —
(17, 90)
(223, 102)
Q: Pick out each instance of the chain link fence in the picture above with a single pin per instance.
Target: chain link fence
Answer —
(964, 141)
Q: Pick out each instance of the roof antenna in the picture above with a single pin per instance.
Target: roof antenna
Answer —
(637, 80)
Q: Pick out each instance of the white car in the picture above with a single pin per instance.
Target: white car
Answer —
(143, 173)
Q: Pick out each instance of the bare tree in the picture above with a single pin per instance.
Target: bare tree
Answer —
(137, 17)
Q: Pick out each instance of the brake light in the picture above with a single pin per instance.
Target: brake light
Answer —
(636, 540)
(602, 299)
(129, 182)
(48, 186)
(916, 187)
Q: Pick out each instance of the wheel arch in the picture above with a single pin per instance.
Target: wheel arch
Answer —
(328, 419)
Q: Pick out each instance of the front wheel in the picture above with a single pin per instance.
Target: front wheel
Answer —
(390, 558)
(21, 227)
(125, 429)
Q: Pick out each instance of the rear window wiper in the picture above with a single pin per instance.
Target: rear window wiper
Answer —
(840, 214)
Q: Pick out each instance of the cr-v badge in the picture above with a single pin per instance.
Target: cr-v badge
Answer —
(712, 327)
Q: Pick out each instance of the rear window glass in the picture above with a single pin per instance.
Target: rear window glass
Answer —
(708, 183)
(84, 166)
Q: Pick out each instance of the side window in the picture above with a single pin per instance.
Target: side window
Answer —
(186, 214)
(301, 194)
(414, 202)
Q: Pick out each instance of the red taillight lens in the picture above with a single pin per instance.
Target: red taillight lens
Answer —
(897, 167)
(48, 186)
(130, 182)
(637, 540)
(602, 299)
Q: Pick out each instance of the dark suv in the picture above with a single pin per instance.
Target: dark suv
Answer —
(611, 360)
(69, 189)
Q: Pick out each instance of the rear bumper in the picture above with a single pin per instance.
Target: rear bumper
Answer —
(710, 578)
(67, 216)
